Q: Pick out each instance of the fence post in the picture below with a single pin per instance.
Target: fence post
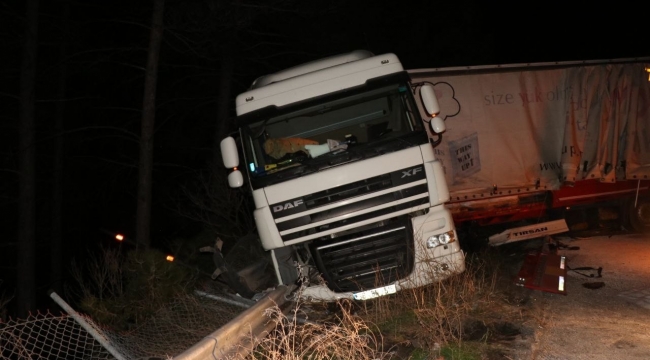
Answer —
(84, 324)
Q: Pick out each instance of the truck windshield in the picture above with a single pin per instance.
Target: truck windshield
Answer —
(331, 133)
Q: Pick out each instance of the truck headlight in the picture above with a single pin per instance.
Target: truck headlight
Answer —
(444, 238)
(441, 239)
(432, 242)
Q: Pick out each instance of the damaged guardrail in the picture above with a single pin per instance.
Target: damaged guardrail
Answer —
(238, 338)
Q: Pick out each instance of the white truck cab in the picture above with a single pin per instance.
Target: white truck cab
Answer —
(348, 193)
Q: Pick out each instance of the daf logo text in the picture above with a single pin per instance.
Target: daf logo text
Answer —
(289, 205)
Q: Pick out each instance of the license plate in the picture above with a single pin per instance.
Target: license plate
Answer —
(371, 294)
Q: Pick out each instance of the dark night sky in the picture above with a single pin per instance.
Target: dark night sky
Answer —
(106, 49)
(431, 34)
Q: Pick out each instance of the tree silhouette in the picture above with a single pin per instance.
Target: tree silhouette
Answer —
(26, 272)
(56, 248)
(143, 216)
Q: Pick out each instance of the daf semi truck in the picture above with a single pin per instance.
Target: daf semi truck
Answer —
(339, 158)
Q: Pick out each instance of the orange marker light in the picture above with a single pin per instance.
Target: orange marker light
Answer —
(119, 237)
(170, 258)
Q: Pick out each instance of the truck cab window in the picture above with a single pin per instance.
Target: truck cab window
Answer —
(287, 140)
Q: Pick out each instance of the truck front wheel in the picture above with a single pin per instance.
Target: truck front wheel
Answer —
(639, 216)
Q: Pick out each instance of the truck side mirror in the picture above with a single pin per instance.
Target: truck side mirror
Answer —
(429, 99)
(431, 106)
(437, 125)
(230, 159)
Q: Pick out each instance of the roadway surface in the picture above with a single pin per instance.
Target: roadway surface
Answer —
(608, 319)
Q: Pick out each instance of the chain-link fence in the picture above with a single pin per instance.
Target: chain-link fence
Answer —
(174, 328)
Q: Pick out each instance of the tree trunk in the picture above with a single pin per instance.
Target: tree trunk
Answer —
(56, 249)
(26, 272)
(143, 215)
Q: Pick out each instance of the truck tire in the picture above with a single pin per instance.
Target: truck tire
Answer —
(639, 216)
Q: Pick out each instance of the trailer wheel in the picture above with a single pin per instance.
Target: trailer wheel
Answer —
(639, 216)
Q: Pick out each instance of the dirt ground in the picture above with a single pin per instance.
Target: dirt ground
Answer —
(604, 317)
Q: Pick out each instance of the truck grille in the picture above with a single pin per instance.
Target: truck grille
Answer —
(345, 205)
(373, 257)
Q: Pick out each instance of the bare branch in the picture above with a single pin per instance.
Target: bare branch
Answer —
(213, 203)
(132, 136)
(128, 165)
(16, 97)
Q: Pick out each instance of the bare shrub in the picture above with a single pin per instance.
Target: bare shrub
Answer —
(209, 200)
(101, 274)
(348, 336)
(121, 291)
(4, 301)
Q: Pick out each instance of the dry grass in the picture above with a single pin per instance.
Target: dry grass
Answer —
(435, 315)
(346, 336)
(432, 317)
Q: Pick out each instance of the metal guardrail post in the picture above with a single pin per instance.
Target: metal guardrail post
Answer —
(89, 328)
(233, 339)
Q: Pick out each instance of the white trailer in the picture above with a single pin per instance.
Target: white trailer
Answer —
(530, 144)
